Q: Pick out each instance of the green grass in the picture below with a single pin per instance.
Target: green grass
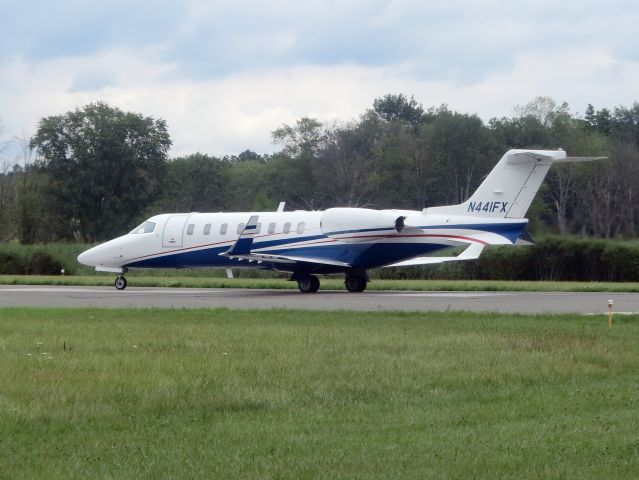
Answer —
(329, 283)
(291, 394)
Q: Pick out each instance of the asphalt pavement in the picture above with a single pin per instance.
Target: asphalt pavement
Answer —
(137, 297)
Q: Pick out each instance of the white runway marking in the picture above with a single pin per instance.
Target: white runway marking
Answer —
(445, 294)
(102, 290)
(56, 290)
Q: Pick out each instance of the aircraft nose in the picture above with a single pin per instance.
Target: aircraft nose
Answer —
(86, 257)
(107, 254)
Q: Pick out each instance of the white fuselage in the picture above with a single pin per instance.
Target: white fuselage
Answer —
(357, 238)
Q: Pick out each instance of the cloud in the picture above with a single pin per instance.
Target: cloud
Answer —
(455, 40)
(230, 114)
(224, 74)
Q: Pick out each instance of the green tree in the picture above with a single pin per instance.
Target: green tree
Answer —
(249, 184)
(544, 109)
(195, 183)
(292, 172)
(346, 166)
(106, 166)
(461, 145)
(625, 124)
(398, 108)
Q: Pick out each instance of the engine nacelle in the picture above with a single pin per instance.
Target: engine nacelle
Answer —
(346, 223)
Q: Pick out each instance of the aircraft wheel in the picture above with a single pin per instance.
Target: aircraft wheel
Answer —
(308, 284)
(355, 283)
(120, 283)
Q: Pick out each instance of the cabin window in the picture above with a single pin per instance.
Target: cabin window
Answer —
(207, 229)
(258, 227)
(240, 227)
(271, 228)
(223, 228)
(300, 227)
(287, 227)
(146, 227)
(190, 229)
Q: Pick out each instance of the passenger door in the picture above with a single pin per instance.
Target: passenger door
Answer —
(173, 231)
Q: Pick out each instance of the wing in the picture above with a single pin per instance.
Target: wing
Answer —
(241, 250)
(472, 252)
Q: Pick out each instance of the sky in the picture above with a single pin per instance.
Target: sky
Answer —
(225, 74)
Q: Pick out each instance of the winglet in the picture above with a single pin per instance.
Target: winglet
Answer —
(243, 244)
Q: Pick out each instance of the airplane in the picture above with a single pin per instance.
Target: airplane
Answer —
(337, 240)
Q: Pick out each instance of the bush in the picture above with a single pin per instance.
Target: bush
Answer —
(554, 257)
(11, 264)
(41, 263)
(29, 263)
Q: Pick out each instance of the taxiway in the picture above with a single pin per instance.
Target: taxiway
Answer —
(137, 297)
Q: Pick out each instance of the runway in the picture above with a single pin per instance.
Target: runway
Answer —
(136, 297)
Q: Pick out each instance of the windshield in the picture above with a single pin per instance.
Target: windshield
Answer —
(146, 227)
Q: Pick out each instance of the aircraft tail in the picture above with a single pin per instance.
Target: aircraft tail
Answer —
(511, 186)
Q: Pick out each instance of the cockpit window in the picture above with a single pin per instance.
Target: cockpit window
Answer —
(146, 227)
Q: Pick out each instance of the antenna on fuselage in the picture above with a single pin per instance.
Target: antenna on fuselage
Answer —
(280, 207)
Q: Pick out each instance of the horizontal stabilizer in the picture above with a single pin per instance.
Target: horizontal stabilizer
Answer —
(545, 156)
(471, 253)
(243, 244)
(578, 159)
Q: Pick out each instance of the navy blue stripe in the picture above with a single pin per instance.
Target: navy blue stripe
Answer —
(508, 230)
(495, 227)
(358, 255)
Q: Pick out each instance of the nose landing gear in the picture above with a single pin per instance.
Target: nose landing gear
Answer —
(120, 282)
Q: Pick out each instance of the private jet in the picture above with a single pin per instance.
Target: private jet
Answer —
(337, 240)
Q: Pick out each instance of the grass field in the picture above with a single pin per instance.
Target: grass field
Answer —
(330, 283)
(290, 394)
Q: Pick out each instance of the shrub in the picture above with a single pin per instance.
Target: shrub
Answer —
(41, 263)
(11, 264)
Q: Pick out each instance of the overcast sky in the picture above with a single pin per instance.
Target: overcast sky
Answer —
(224, 74)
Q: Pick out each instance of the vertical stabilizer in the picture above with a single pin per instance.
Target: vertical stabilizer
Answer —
(511, 186)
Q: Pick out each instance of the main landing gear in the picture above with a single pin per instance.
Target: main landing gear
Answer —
(120, 282)
(356, 283)
(309, 284)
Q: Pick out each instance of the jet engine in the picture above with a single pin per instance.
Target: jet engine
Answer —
(359, 224)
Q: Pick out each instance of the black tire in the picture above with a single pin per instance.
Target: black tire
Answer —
(355, 283)
(120, 283)
(308, 284)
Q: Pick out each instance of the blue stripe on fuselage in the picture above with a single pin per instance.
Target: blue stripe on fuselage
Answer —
(484, 227)
(360, 255)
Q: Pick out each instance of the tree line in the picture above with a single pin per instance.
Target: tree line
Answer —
(96, 171)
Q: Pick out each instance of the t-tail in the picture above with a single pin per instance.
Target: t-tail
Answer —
(511, 186)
